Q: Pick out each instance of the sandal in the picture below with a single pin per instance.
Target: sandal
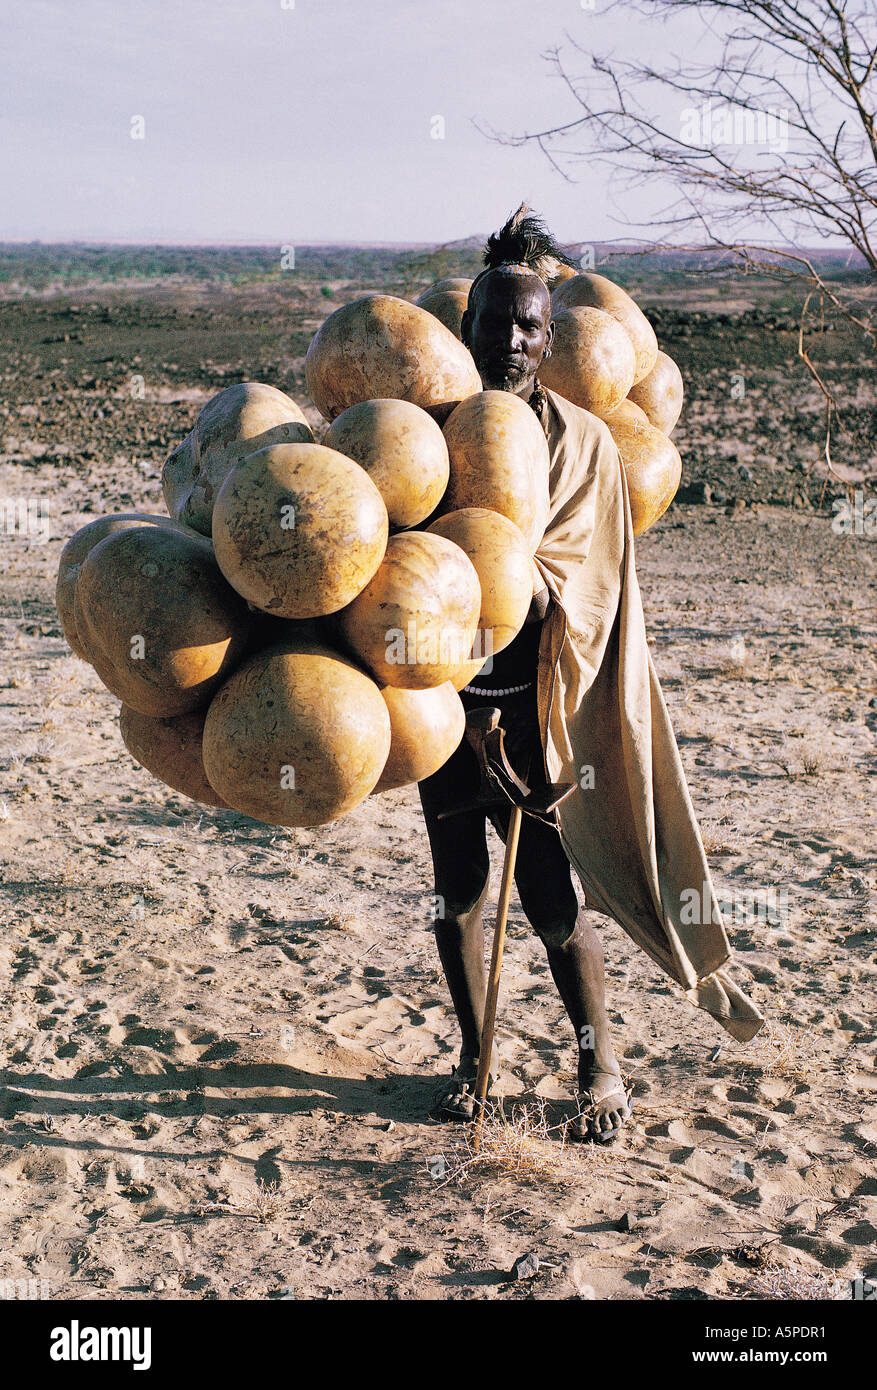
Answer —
(583, 1127)
(455, 1096)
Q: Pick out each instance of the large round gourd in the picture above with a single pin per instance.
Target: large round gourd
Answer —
(504, 567)
(403, 451)
(414, 624)
(457, 284)
(157, 620)
(425, 728)
(381, 346)
(298, 736)
(299, 530)
(564, 272)
(652, 467)
(593, 291)
(592, 360)
(448, 306)
(171, 750)
(628, 414)
(238, 421)
(499, 460)
(75, 553)
(660, 394)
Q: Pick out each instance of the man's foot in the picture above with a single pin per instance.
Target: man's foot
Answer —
(455, 1095)
(604, 1107)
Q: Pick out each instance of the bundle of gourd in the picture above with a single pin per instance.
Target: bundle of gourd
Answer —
(293, 636)
(606, 359)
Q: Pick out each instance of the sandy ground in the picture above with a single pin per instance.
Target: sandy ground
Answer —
(220, 1038)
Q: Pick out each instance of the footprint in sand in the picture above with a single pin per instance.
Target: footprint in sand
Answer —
(693, 1130)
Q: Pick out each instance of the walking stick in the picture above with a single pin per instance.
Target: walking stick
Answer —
(500, 784)
(489, 1024)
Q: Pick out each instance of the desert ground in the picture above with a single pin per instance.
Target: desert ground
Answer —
(219, 1038)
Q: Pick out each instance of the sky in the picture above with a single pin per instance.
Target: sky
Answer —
(297, 121)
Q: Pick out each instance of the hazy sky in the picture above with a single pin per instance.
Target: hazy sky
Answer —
(268, 120)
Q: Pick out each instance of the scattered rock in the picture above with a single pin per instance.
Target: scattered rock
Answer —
(525, 1267)
(699, 493)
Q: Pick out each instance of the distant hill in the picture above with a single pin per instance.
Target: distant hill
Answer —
(43, 267)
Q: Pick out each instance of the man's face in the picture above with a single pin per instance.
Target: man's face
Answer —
(507, 330)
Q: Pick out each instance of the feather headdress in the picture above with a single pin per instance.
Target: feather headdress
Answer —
(525, 240)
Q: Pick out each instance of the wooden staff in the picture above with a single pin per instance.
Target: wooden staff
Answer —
(489, 1024)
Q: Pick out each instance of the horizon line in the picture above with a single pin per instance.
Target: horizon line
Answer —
(336, 242)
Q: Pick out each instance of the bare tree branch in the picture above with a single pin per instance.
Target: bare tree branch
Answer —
(781, 129)
(779, 132)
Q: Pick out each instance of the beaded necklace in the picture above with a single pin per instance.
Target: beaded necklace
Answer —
(539, 404)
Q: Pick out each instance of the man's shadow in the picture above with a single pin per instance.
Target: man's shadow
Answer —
(398, 1096)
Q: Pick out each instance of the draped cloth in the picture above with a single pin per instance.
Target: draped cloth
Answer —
(629, 828)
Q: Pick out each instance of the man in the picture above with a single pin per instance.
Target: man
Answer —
(580, 702)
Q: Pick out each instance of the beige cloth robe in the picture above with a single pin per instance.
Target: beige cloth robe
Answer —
(632, 838)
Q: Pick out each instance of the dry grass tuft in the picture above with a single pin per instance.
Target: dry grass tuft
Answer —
(809, 761)
(342, 921)
(263, 1203)
(812, 760)
(720, 836)
(780, 1049)
(523, 1144)
(776, 1282)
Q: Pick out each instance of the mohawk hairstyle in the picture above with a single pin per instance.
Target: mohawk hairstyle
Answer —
(525, 240)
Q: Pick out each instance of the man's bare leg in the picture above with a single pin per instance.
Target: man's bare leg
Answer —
(460, 939)
(577, 970)
(575, 958)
